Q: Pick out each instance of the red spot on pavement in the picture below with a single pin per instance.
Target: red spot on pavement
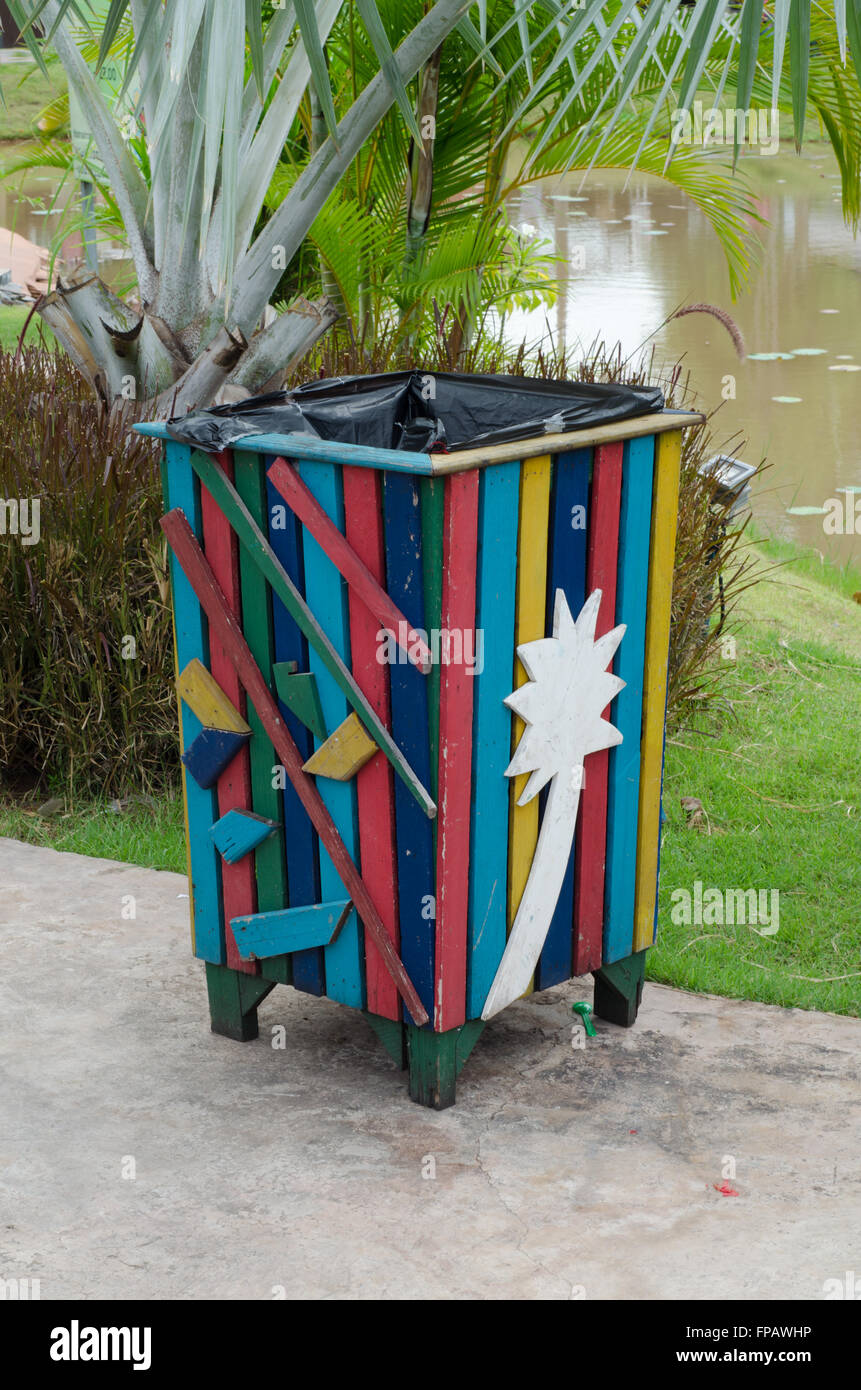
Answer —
(724, 1189)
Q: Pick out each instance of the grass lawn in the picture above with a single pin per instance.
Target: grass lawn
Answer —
(26, 93)
(12, 320)
(150, 836)
(779, 778)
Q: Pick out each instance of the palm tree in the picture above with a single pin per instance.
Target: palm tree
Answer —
(213, 127)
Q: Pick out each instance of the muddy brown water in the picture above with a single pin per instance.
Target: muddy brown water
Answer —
(645, 250)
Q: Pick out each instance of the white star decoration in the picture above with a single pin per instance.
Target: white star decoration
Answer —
(569, 687)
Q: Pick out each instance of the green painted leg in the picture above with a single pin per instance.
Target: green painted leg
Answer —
(619, 989)
(435, 1059)
(233, 1000)
(391, 1034)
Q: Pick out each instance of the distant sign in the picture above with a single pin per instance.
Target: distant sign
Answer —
(109, 80)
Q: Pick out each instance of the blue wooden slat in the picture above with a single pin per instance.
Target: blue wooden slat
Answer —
(567, 571)
(300, 838)
(325, 593)
(413, 830)
(304, 446)
(192, 641)
(266, 934)
(495, 595)
(627, 709)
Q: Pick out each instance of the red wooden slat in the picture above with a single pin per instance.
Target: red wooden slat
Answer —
(345, 559)
(225, 626)
(234, 785)
(591, 846)
(460, 533)
(374, 783)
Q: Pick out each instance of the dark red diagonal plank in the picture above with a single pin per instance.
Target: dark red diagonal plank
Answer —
(212, 601)
(375, 792)
(305, 505)
(239, 889)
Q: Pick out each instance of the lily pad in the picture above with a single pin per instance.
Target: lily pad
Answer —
(850, 487)
(806, 511)
(655, 231)
(787, 400)
(829, 311)
(768, 356)
(846, 367)
(808, 352)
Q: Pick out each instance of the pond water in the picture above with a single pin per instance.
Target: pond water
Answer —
(646, 251)
(34, 204)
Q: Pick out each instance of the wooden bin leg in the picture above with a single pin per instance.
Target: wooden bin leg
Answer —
(619, 989)
(233, 1000)
(435, 1060)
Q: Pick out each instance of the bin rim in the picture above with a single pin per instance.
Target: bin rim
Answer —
(313, 450)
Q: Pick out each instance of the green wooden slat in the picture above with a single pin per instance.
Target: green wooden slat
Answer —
(270, 861)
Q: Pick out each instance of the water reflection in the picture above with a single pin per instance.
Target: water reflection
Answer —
(795, 399)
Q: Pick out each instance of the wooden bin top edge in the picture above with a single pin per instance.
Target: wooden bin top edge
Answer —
(306, 447)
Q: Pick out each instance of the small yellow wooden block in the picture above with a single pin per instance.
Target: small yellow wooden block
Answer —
(202, 693)
(344, 752)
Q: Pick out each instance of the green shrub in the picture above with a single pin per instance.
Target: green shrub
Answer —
(78, 714)
(77, 710)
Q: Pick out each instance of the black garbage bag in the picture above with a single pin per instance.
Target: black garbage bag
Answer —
(419, 411)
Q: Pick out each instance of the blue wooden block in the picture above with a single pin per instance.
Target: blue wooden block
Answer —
(491, 739)
(209, 754)
(409, 691)
(626, 712)
(567, 571)
(300, 837)
(182, 490)
(239, 832)
(267, 934)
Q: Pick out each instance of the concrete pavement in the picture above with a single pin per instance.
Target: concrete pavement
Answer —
(141, 1156)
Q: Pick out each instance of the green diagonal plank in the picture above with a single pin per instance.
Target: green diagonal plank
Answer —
(252, 539)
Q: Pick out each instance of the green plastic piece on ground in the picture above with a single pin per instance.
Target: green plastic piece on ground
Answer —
(585, 1010)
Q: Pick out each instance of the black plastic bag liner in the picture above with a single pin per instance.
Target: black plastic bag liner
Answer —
(419, 411)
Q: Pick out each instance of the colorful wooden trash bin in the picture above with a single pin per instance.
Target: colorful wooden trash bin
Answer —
(422, 703)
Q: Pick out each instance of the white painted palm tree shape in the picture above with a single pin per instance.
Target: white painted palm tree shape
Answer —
(569, 687)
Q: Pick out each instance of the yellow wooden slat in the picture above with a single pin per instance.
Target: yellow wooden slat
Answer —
(344, 753)
(530, 616)
(202, 693)
(593, 435)
(661, 559)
